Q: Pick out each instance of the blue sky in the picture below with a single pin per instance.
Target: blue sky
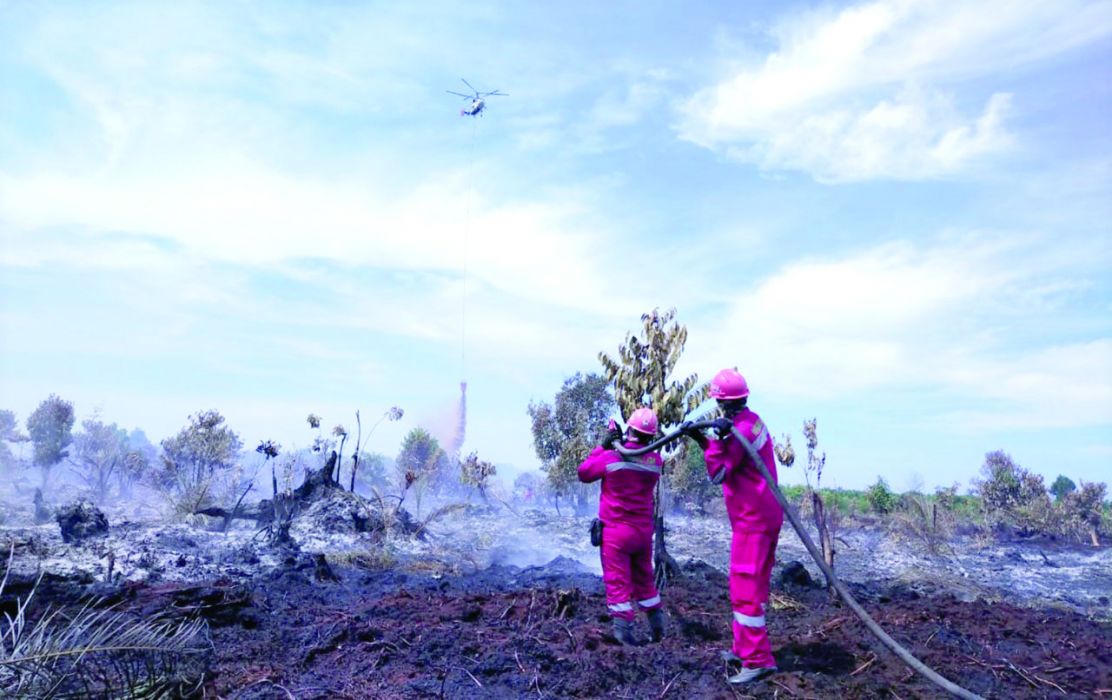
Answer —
(891, 215)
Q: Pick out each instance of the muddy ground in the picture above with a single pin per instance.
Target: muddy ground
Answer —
(543, 632)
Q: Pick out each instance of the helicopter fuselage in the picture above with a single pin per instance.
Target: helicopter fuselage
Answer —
(474, 109)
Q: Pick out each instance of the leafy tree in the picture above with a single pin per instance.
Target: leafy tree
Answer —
(420, 461)
(880, 497)
(1062, 486)
(201, 451)
(999, 489)
(1084, 509)
(371, 472)
(50, 429)
(565, 432)
(529, 487)
(641, 375)
(100, 454)
(476, 473)
(689, 479)
(142, 455)
(1012, 495)
(9, 433)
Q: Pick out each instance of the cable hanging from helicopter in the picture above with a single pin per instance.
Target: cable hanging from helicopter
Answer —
(478, 99)
(476, 107)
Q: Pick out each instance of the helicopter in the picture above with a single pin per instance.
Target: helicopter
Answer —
(478, 99)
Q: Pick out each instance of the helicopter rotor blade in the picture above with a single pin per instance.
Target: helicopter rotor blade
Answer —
(493, 92)
(452, 92)
(469, 85)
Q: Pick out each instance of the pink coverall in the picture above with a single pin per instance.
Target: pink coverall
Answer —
(755, 517)
(626, 511)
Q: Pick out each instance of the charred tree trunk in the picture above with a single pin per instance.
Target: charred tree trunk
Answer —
(231, 516)
(42, 513)
(322, 479)
(278, 533)
(581, 506)
(339, 462)
(826, 539)
(283, 505)
(665, 567)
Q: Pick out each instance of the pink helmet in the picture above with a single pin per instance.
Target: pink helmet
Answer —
(643, 420)
(728, 384)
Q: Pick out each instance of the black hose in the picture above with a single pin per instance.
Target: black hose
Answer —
(906, 656)
(661, 441)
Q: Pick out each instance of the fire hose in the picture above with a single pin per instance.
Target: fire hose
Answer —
(898, 649)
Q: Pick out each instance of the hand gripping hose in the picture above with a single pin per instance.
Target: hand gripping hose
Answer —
(898, 649)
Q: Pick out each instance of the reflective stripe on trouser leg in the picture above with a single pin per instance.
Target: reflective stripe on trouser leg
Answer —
(641, 570)
(618, 569)
(752, 555)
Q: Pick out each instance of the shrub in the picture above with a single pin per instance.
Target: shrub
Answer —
(922, 519)
(1062, 486)
(880, 497)
(1011, 495)
(198, 464)
(1083, 511)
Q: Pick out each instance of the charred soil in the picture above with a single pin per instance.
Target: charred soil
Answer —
(543, 632)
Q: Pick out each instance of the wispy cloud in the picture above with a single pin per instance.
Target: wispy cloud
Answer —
(924, 318)
(869, 91)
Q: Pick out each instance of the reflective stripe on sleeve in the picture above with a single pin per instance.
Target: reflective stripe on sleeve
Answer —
(719, 477)
(616, 466)
(748, 620)
(761, 439)
(621, 607)
(649, 602)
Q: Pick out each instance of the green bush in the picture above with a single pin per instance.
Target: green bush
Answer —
(1062, 486)
(880, 498)
(794, 493)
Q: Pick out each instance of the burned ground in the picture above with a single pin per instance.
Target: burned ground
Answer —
(358, 614)
(543, 632)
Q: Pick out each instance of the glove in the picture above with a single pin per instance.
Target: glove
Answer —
(612, 436)
(723, 426)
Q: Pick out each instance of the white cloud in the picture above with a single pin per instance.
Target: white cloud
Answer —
(913, 136)
(866, 92)
(944, 319)
(242, 213)
(1065, 385)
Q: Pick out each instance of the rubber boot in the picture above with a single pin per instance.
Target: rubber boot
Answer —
(623, 632)
(750, 675)
(656, 624)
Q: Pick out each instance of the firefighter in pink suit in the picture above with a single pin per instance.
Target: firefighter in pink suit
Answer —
(755, 518)
(626, 511)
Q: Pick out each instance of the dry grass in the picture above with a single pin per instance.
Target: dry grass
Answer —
(923, 521)
(98, 653)
(783, 602)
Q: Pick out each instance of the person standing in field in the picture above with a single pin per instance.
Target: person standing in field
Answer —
(625, 510)
(755, 519)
